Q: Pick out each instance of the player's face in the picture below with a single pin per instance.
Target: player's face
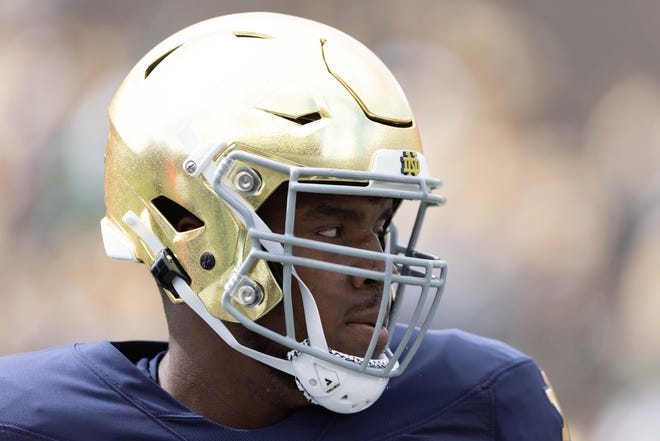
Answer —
(348, 304)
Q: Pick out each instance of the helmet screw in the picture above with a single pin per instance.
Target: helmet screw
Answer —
(190, 166)
(207, 261)
(244, 181)
(249, 296)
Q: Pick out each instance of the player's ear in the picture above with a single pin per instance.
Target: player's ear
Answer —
(187, 223)
(179, 217)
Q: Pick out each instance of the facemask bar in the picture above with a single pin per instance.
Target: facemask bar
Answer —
(415, 269)
(410, 250)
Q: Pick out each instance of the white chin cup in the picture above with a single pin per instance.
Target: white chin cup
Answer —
(336, 388)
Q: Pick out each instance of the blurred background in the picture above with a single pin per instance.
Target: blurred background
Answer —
(542, 118)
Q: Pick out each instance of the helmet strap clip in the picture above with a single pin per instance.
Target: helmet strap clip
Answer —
(165, 268)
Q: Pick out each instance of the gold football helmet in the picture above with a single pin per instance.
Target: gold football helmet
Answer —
(216, 118)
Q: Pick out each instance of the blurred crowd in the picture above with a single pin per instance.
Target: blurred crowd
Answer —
(542, 118)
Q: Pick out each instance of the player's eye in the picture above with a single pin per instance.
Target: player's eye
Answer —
(331, 232)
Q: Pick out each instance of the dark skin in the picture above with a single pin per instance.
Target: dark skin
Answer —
(219, 383)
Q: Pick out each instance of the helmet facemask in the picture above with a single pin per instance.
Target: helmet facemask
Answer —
(403, 266)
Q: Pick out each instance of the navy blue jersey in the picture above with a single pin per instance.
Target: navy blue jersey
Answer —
(458, 387)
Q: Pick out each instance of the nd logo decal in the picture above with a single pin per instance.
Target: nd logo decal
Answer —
(409, 164)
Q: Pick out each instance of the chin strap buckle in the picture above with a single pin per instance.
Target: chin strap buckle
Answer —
(165, 268)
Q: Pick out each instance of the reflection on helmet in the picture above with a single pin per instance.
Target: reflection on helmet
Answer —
(217, 117)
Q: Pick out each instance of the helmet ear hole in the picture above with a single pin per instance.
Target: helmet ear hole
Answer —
(180, 218)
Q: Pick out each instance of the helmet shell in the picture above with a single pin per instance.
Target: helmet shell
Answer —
(286, 88)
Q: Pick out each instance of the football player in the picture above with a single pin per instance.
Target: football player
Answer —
(255, 164)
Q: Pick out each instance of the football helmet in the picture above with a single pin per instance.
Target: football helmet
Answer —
(208, 125)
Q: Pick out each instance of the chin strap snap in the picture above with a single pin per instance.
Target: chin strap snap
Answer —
(165, 268)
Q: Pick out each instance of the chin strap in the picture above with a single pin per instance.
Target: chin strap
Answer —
(341, 391)
(194, 302)
(336, 388)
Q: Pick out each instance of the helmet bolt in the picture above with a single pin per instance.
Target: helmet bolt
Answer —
(207, 261)
(244, 181)
(190, 166)
(249, 296)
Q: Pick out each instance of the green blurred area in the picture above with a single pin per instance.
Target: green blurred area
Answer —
(542, 118)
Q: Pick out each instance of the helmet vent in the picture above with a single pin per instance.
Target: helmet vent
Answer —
(158, 60)
(179, 218)
(251, 34)
(300, 120)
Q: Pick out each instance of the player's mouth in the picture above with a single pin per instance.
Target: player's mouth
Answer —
(361, 332)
